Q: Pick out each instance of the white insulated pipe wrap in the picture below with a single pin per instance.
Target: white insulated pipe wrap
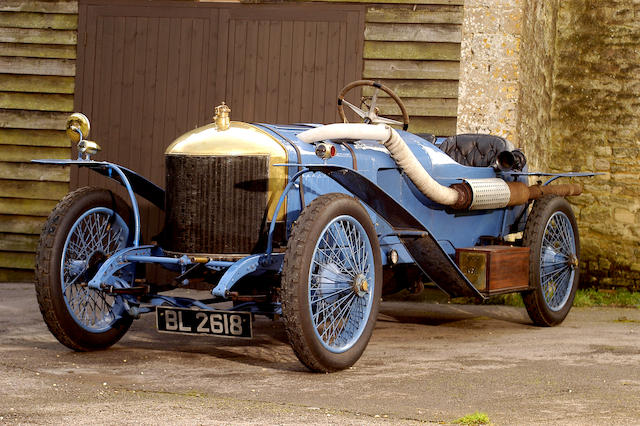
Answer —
(409, 164)
(489, 193)
(356, 131)
(398, 149)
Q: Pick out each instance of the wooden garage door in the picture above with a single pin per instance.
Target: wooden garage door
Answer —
(148, 72)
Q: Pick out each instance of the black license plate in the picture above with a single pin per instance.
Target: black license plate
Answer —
(214, 323)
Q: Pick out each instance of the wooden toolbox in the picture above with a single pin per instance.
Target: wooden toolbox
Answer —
(495, 269)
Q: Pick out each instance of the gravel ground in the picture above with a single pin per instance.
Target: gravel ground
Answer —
(426, 363)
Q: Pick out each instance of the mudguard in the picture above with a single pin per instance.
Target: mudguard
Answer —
(139, 184)
(423, 247)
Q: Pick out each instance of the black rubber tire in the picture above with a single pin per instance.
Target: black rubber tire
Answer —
(295, 273)
(537, 308)
(47, 273)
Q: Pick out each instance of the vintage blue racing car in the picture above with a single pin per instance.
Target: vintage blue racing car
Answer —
(309, 222)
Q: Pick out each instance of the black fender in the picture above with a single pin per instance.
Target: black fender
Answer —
(139, 184)
(421, 244)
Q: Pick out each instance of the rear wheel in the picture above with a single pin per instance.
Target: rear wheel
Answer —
(84, 230)
(551, 234)
(331, 283)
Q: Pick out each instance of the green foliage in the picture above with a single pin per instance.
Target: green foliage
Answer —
(624, 319)
(614, 298)
(476, 418)
(511, 299)
(584, 298)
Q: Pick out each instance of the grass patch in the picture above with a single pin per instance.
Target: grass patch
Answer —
(511, 299)
(585, 298)
(590, 297)
(476, 418)
(625, 319)
(615, 298)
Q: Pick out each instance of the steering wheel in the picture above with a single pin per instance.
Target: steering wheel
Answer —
(369, 112)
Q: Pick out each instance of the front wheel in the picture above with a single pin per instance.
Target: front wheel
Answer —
(331, 283)
(85, 229)
(551, 234)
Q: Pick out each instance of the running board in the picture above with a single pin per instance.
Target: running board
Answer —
(424, 248)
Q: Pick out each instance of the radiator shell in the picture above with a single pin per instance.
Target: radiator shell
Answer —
(216, 204)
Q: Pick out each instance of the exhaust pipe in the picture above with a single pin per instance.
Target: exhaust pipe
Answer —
(472, 194)
(505, 161)
(398, 149)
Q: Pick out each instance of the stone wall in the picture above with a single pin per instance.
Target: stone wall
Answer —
(596, 126)
(507, 64)
(561, 79)
(535, 82)
(489, 64)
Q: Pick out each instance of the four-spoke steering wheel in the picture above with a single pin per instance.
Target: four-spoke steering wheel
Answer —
(369, 113)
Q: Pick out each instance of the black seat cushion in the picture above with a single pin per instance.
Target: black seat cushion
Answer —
(475, 150)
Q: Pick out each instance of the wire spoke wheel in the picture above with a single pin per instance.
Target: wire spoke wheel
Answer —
(331, 283)
(83, 231)
(339, 295)
(557, 260)
(552, 236)
(93, 238)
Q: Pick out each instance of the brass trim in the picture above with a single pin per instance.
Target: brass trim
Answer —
(297, 150)
(353, 155)
(239, 139)
(77, 121)
(474, 267)
(222, 118)
(88, 147)
(200, 257)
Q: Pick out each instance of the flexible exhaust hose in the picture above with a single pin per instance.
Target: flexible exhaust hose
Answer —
(398, 149)
(409, 164)
(356, 131)
(472, 194)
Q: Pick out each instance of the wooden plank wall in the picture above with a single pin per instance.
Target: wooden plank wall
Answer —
(414, 49)
(37, 70)
(281, 63)
(413, 46)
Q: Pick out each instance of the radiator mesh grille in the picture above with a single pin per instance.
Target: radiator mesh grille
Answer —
(215, 204)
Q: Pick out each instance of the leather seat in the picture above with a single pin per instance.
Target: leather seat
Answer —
(479, 150)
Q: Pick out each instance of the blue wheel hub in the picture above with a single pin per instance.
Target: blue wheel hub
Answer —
(94, 236)
(558, 261)
(341, 281)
